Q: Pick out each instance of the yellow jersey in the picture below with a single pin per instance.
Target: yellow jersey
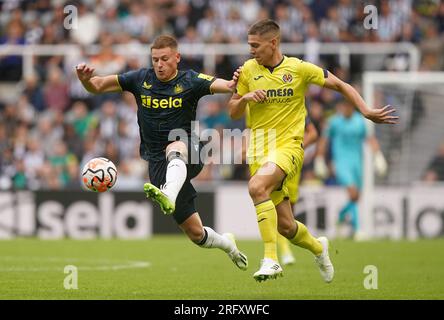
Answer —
(284, 109)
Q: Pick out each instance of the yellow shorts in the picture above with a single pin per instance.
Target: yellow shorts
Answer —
(293, 188)
(290, 158)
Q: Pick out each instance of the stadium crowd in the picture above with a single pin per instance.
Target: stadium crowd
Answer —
(54, 126)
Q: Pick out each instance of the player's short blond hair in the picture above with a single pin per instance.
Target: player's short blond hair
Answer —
(164, 41)
(263, 27)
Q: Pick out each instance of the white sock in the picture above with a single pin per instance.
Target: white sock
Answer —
(175, 177)
(214, 240)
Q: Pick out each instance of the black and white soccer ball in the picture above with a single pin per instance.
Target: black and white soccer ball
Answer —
(99, 174)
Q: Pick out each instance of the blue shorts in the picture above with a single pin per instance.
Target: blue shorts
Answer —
(349, 175)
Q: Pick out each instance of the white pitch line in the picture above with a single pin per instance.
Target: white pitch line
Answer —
(118, 265)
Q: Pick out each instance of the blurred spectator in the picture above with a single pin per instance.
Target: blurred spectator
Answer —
(106, 61)
(73, 140)
(90, 151)
(111, 151)
(191, 61)
(234, 27)
(19, 179)
(216, 117)
(432, 50)
(332, 28)
(88, 26)
(4, 143)
(59, 162)
(7, 169)
(312, 43)
(111, 23)
(249, 10)
(440, 17)
(47, 132)
(138, 23)
(179, 18)
(389, 23)
(282, 17)
(11, 66)
(206, 27)
(34, 92)
(124, 141)
(50, 177)
(161, 25)
(33, 157)
(81, 119)
(25, 110)
(107, 120)
(19, 140)
(74, 178)
(127, 111)
(55, 91)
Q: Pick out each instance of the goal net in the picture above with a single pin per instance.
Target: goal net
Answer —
(409, 146)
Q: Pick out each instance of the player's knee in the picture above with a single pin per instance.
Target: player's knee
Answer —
(354, 194)
(257, 190)
(176, 151)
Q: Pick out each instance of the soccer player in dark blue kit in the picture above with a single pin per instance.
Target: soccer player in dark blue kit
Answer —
(167, 100)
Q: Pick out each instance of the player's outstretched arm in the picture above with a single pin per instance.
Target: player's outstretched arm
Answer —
(377, 115)
(225, 86)
(95, 84)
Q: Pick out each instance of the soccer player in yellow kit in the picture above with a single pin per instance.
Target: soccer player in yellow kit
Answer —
(311, 134)
(274, 86)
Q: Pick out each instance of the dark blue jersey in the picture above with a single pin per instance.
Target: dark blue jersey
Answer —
(164, 106)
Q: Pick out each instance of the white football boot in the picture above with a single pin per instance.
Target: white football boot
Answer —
(324, 263)
(269, 269)
(287, 259)
(238, 258)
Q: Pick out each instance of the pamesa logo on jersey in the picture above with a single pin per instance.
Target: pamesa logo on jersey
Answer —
(167, 103)
(285, 92)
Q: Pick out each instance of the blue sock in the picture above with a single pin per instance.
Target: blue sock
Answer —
(354, 216)
(344, 211)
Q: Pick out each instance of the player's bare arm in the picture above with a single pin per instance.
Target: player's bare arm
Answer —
(377, 115)
(237, 103)
(96, 84)
(225, 86)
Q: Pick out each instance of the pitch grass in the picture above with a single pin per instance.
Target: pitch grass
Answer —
(34, 269)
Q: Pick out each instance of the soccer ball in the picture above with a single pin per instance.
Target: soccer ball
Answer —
(99, 174)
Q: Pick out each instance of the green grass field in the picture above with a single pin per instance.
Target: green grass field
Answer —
(171, 267)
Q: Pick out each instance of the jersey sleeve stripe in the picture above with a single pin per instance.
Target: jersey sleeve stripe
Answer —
(117, 78)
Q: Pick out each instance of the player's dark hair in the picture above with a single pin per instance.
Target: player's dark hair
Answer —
(263, 27)
(165, 41)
